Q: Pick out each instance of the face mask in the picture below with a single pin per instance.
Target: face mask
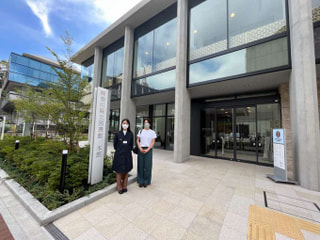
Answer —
(146, 125)
(125, 126)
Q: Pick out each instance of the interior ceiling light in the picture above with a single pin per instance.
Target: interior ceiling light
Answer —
(232, 15)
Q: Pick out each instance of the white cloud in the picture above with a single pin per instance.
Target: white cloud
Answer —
(109, 11)
(41, 9)
(102, 12)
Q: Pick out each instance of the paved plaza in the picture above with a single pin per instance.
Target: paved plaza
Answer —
(201, 199)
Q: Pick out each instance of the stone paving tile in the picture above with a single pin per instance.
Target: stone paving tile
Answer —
(168, 230)
(228, 233)
(112, 225)
(131, 232)
(200, 199)
(207, 229)
(148, 220)
(92, 233)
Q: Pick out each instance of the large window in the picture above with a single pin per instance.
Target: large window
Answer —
(113, 69)
(156, 50)
(154, 83)
(155, 53)
(208, 28)
(162, 118)
(253, 20)
(218, 25)
(257, 58)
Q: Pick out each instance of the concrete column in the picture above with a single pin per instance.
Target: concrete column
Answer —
(97, 69)
(182, 97)
(127, 106)
(303, 96)
(98, 55)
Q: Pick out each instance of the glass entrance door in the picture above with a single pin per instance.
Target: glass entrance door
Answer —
(246, 133)
(224, 134)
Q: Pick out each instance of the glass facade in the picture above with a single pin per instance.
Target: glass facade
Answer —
(112, 69)
(28, 71)
(154, 83)
(240, 132)
(162, 119)
(154, 52)
(217, 25)
(208, 28)
(264, 56)
(114, 123)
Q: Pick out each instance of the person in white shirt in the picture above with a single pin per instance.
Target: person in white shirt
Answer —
(145, 142)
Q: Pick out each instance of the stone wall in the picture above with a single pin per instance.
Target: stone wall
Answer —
(286, 124)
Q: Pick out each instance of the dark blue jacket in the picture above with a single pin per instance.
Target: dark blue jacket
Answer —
(123, 144)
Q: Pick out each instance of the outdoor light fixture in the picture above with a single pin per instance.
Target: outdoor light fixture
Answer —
(168, 44)
(147, 53)
(195, 31)
(232, 15)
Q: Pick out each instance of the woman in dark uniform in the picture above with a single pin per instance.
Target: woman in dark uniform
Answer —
(122, 162)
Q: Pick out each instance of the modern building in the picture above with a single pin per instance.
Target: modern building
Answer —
(216, 76)
(25, 70)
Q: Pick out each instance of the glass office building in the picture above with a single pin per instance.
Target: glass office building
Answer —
(221, 68)
(26, 70)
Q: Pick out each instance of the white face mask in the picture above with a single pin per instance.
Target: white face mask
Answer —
(125, 126)
(146, 125)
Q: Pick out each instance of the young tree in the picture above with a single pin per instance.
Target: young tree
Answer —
(29, 107)
(64, 98)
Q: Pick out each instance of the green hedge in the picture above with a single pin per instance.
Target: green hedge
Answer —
(36, 165)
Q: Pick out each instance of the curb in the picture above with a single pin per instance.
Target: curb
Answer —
(43, 215)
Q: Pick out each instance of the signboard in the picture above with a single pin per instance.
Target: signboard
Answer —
(279, 148)
(99, 130)
(279, 157)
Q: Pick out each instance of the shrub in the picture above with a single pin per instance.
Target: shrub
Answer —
(36, 165)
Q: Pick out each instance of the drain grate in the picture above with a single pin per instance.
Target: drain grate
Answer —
(55, 232)
(293, 206)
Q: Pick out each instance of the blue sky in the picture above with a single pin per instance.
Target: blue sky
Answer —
(28, 26)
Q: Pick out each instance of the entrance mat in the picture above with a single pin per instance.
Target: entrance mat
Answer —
(266, 224)
(5, 233)
(297, 207)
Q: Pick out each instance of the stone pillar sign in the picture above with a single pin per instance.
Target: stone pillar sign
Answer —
(99, 134)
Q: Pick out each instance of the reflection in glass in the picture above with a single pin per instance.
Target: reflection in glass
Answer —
(31, 72)
(170, 133)
(263, 56)
(159, 110)
(253, 20)
(171, 108)
(316, 10)
(112, 69)
(208, 28)
(246, 137)
(158, 125)
(154, 83)
(165, 38)
(268, 116)
(156, 50)
(143, 55)
(114, 123)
